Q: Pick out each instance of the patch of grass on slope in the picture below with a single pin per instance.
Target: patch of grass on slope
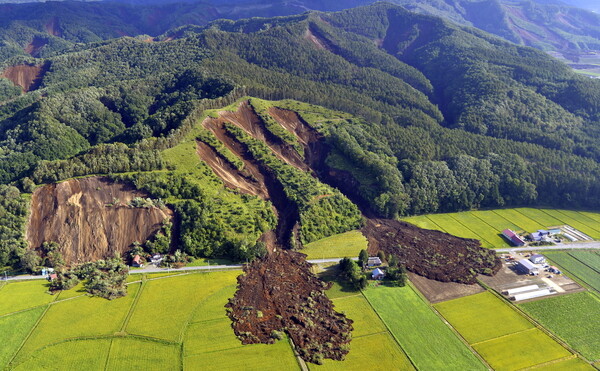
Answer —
(346, 244)
(420, 331)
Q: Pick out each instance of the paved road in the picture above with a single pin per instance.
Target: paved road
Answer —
(568, 246)
(154, 269)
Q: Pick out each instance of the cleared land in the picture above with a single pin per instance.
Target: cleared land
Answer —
(488, 225)
(420, 332)
(569, 262)
(502, 336)
(341, 245)
(574, 318)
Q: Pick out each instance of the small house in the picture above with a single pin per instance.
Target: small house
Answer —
(378, 274)
(526, 267)
(52, 277)
(137, 261)
(156, 259)
(537, 259)
(374, 261)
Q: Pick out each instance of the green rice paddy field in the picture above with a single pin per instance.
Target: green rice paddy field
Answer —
(341, 245)
(487, 225)
(165, 323)
(584, 265)
(501, 335)
(574, 318)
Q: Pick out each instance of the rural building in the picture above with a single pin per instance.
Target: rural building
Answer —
(52, 277)
(539, 235)
(513, 237)
(378, 274)
(156, 259)
(519, 290)
(552, 232)
(532, 294)
(526, 267)
(537, 259)
(374, 262)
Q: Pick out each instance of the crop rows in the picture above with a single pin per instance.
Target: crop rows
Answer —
(574, 318)
(576, 267)
(502, 336)
(488, 225)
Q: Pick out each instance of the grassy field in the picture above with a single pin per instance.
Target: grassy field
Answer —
(420, 332)
(372, 346)
(482, 317)
(487, 225)
(572, 265)
(574, 318)
(500, 334)
(163, 323)
(341, 245)
(14, 330)
(520, 350)
(571, 364)
(24, 295)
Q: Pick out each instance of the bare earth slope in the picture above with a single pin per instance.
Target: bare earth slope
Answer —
(77, 214)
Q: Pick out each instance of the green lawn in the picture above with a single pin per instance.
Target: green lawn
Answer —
(523, 349)
(346, 244)
(420, 332)
(482, 317)
(487, 225)
(17, 296)
(574, 318)
(13, 331)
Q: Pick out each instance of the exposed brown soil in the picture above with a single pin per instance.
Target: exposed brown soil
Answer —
(279, 293)
(34, 47)
(432, 254)
(76, 215)
(28, 77)
(317, 41)
(231, 176)
(436, 291)
(286, 211)
(53, 27)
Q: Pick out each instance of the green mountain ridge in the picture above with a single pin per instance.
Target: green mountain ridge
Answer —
(431, 117)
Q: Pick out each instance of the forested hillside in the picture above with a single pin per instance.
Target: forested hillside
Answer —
(430, 117)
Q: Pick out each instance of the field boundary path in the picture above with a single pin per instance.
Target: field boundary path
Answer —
(570, 246)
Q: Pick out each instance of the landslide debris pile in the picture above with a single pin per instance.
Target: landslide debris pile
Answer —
(432, 254)
(279, 294)
(90, 218)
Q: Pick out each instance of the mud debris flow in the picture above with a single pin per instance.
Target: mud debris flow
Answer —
(28, 77)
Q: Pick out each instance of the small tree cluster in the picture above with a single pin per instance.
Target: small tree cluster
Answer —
(351, 272)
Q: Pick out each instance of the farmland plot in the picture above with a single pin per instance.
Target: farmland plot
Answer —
(453, 227)
(485, 231)
(577, 268)
(346, 244)
(24, 295)
(580, 222)
(136, 354)
(424, 222)
(574, 318)
(589, 258)
(88, 355)
(13, 331)
(523, 222)
(571, 364)
(420, 332)
(546, 218)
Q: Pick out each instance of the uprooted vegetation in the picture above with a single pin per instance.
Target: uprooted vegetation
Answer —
(279, 294)
(28, 77)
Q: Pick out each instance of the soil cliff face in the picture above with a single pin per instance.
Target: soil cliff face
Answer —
(80, 216)
(28, 77)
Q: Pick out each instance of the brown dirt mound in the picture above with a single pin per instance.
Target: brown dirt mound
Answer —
(432, 254)
(76, 216)
(28, 77)
(231, 176)
(34, 47)
(279, 293)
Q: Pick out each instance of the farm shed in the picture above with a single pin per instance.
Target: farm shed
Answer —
(552, 232)
(532, 294)
(526, 267)
(518, 290)
(378, 274)
(513, 237)
(537, 259)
